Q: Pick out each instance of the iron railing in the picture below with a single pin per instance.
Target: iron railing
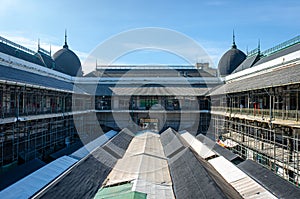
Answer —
(265, 113)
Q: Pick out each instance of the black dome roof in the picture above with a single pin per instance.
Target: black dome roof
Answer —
(230, 60)
(66, 61)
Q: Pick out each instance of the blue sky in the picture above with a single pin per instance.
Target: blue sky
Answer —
(89, 23)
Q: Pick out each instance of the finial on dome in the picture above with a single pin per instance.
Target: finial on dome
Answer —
(258, 47)
(39, 46)
(66, 45)
(233, 40)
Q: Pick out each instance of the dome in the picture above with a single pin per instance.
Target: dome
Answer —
(230, 60)
(66, 61)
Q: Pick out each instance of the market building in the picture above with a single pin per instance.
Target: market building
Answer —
(69, 133)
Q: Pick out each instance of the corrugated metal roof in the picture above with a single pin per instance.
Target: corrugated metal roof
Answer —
(158, 91)
(144, 167)
(276, 77)
(202, 150)
(144, 161)
(190, 178)
(62, 163)
(19, 172)
(32, 183)
(146, 143)
(247, 63)
(246, 186)
(15, 75)
(84, 179)
(171, 143)
(277, 185)
(118, 146)
(217, 148)
(88, 148)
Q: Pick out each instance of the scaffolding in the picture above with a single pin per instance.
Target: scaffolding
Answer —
(276, 148)
(265, 125)
(35, 122)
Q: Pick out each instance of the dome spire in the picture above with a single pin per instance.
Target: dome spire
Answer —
(66, 45)
(233, 40)
(39, 46)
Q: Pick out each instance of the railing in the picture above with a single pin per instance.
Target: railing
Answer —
(44, 51)
(282, 46)
(7, 112)
(103, 67)
(265, 113)
(253, 52)
(220, 108)
(6, 41)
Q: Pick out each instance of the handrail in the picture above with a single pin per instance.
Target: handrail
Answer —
(253, 52)
(103, 67)
(13, 44)
(44, 51)
(281, 46)
(276, 113)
